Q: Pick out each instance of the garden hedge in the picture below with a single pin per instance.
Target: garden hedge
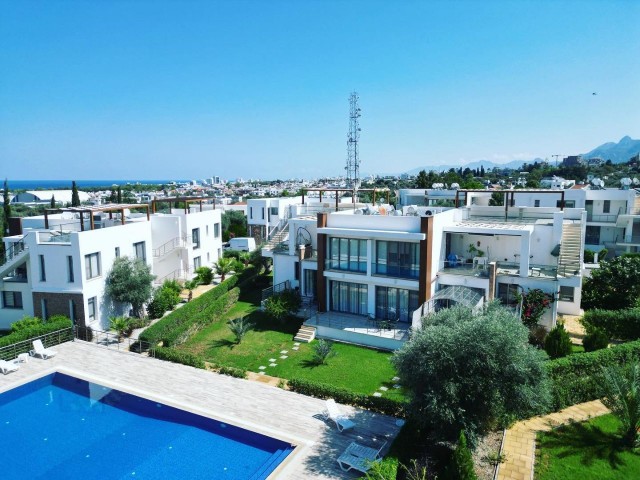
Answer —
(386, 406)
(578, 378)
(618, 324)
(203, 310)
(55, 323)
(176, 356)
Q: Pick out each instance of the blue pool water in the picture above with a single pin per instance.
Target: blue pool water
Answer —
(61, 427)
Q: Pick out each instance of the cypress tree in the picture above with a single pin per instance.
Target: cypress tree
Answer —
(119, 195)
(6, 208)
(75, 198)
(461, 466)
(53, 201)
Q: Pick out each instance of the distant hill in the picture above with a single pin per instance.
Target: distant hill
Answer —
(616, 152)
(487, 164)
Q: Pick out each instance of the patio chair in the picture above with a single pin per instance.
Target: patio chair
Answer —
(332, 412)
(40, 351)
(358, 457)
(6, 367)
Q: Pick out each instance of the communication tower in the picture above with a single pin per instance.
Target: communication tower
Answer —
(353, 159)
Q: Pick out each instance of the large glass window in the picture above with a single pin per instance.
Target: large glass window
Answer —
(12, 299)
(349, 297)
(348, 254)
(508, 293)
(92, 265)
(606, 206)
(310, 277)
(592, 235)
(395, 303)
(197, 263)
(397, 259)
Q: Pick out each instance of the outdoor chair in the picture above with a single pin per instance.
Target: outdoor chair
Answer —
(40, 351)
(332, 412)
(358, 457)
(7, 367)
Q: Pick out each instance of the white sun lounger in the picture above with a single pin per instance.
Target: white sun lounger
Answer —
(332, 412)
(6, 367)
(40, 351)
(358, 457)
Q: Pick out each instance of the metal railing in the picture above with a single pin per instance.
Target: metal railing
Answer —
(277, 288)
(170, 246)
(12, 351)
(367, 325)
(114, 341)
(604, 218)
(631, 239)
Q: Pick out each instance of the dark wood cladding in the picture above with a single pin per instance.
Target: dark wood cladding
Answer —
(426, 261)
(321, 283)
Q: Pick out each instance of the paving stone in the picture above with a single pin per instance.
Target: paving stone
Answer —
(297, 344)
(284, 351)
(384, 389)
(273, 364)
(272, 360)
(283, 356)
(395, 379)
(397, 385)
(261, 373)
(295, 348)
(377, 394)
(262, 367)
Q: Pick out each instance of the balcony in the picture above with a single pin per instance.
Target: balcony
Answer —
(629, 240)
(54, 237)
(457, 267)
(411, 272)
(359, 267)
(548, 272)
(603, 218)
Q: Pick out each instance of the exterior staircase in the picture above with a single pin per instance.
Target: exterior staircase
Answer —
(305, 334)
(14, 256)
(279, 238)
(168, 247)
(570, 259)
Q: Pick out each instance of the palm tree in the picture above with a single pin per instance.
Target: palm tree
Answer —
(239, 327)
(622, 397)
(245, 258)
(225, 266)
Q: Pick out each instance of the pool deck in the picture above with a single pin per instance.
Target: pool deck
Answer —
(253, 405)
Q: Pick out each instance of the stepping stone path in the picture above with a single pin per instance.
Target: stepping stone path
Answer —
(272, 360)
(273, 364)
(262, 367)
(397, 385)
(283, 356)
(384, 389)
(377, 394)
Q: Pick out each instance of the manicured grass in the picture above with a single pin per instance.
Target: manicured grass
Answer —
(586, 451)
(358, 369)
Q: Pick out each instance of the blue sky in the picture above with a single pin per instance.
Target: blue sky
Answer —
(128, 90)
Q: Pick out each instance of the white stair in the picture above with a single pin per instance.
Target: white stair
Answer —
(305, 334)
(570, 259)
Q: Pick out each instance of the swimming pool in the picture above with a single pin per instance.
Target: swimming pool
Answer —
(59, 426)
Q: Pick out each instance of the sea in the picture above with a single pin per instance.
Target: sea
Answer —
(66, 184)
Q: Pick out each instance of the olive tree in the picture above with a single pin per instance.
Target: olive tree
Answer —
(470, 372)
(613, 286)
(130, 281)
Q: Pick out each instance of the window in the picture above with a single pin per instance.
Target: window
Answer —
(72, 311)
(44, 304)
(606, 206)
(397, 259)
(296, 267)
(12, 299)
(536, 203)
(250, 212)
(197, 263)
(70, 268)
(592, 235)
(395, 303)
(92, 305)
(273, 210)
(566, 294)
(348, 254)
(216, 230)
(570, 204)
(310, 277)
(43, 272)
(195, 238)
(140, 251)
(208, 257)
(262, 213)
(117, 252)
(92, 265)
(508, 293)
(207, 230)
(349, 297)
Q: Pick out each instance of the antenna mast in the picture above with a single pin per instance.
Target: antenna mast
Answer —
(353, 159)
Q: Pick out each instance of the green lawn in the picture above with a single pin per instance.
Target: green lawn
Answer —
(585, 451)
(358, 369)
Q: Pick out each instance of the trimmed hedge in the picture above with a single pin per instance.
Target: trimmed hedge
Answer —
(578, 378)
(186, 320)
(55, 323)
(176, 356)
(386, 406)
(619, 324)
(232, 372)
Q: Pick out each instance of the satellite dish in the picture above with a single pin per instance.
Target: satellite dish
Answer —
(428, 213)
(455, 186)
(625, 182)
(411, 210)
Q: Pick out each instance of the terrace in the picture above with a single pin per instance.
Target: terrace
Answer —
(259, 407)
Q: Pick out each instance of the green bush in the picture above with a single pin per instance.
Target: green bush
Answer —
(173, 285)
(54, 324)
(232, 372)
(558, 343)
(26, 323)
(164, 299)
(283, 304)
(618, 324)
(461, 465)
(176, 356)
(383, 405)
(578, 378)
(596, 339)
(192, 316)
(204, 275)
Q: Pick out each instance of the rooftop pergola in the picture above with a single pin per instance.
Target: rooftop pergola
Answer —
(506, 195)
(111, 208)
(185, 200)
(353, 192)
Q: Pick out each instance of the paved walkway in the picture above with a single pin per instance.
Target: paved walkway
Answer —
(254, 405)
(519, 444)
(574, 327)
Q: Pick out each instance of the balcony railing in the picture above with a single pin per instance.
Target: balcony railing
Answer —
(410, 272)
(635, 239)
(604, 218)
(592, 240)
(346, 266)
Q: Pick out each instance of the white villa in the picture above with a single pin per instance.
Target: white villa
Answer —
(60, 261)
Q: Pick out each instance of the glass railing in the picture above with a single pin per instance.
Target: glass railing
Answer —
(387, 270)
(605, 218)
(346, 266)
(591, 240)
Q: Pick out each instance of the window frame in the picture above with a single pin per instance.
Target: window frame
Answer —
(566, 297)
(89, 265)
(70, 273)
(92, 308)
(143, 248)
(12, 305)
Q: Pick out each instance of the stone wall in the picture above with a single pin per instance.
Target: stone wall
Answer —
(58, 304)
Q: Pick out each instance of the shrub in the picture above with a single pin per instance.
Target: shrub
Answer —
(622, 388)
(26, 323)
(172, 285)
(54, 324)
(534, 303)
(196, 314)
(283, 304)
(232, 372)
(537, 336)
(164, 298)
(618, 324)
(120, 325)
(322, 351)
(204, 275)
(461, 465)
(177, 356)
(613, 286)
(239, 327)
(558, 344)
(383, 405)
(84, 333)
(595, 340)
(578, 378)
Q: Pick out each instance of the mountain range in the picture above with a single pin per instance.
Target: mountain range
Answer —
(616, 152)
